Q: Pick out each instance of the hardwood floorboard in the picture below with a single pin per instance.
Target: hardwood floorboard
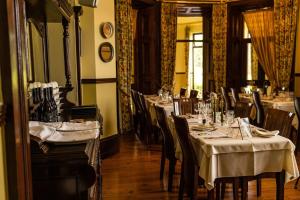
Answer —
(134, 174)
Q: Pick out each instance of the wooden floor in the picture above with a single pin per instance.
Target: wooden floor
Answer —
(134, 174)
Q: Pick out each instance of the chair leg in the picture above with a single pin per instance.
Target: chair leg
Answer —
(172, 163)
(258, 187)
(296, 184)
(235, 188)
(181, 185)
(162, 163)
(218, 185)
(195, 184)
(223, 188)
(210, 194)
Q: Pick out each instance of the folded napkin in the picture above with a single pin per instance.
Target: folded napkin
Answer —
(41, 131)
(203, 128)
(264, 133)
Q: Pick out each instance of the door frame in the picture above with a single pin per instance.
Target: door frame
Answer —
(14, 84)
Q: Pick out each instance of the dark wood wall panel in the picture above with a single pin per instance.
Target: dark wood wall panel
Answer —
(147, 65)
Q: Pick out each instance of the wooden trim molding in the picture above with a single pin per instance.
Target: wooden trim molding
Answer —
(179, 73)
(297, 74)
(98, 80)
(109, 146)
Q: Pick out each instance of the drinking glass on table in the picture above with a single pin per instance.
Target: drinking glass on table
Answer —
(229, 118)
(197, 109)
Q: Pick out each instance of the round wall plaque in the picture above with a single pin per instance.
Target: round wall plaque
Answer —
(106, 29)
(106, 52)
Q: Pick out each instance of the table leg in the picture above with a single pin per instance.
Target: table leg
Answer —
(280, 176)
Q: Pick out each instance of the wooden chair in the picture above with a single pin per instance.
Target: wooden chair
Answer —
(193, 93)
(297, 109)
(184, 106)
(276, 120)
(242, 109)
(235, 96)
(226, 99)
(259, 110)
(138, 117)
(168, 149)
(147, 131)
(182, 92)
(189, 179)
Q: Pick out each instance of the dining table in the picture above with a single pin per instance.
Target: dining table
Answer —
(224, 152)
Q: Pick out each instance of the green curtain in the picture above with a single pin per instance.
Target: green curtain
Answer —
(168, 44)
(219, 40)
(285, 17)
(124, 50)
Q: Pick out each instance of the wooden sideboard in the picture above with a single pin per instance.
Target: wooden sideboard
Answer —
(68, 171)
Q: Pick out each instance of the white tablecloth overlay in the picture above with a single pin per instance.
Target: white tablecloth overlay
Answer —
(151, 101)
(234, 157)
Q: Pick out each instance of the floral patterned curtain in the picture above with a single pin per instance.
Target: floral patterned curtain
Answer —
(285, 17)
(219, 34)
(254, 64)
(124, 60)
(168, 43)
(187, 53)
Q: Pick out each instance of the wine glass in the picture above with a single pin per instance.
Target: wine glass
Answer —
(197, 109)
(229, 118)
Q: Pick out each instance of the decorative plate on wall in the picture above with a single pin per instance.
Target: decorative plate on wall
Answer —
(106, 52)
(106, 29)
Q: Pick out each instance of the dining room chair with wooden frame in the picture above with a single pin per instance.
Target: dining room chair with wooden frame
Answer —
(183, 106)
(189, 178)
(280, 120)
(260, 113)
(242, 109)
(226, 98)
(168, 149)
(193, 94)
(182, 92)
(297, 109)
(235, 96)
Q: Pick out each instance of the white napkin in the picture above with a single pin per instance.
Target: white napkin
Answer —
(264, 133)
(41, 131)
(75, 136)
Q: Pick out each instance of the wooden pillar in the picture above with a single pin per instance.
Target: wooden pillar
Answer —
(78, 12)
(66, 36)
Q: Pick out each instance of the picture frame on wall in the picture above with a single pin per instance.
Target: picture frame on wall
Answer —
(106, 52)
(106, 30)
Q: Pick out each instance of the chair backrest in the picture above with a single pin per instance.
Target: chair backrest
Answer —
(182, 92)
(168, 141)
(279, 120)
(226, 98)
(193, 93)
(184, 106)
(188, 154)
(259, 109)
(242, 109)
(297, 109)
(235, 95)
(135, 100)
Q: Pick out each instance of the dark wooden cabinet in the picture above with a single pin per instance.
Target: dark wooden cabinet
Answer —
(68, 171)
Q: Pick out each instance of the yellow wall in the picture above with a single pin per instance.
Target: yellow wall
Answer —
(104, 95)
(297, 55)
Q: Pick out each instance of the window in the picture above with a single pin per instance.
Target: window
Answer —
(189, 54)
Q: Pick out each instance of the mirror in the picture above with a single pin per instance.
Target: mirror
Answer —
(36, 59)
(106, 52)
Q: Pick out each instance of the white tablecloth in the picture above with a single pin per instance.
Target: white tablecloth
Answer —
(234, 157)
(151, 101)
